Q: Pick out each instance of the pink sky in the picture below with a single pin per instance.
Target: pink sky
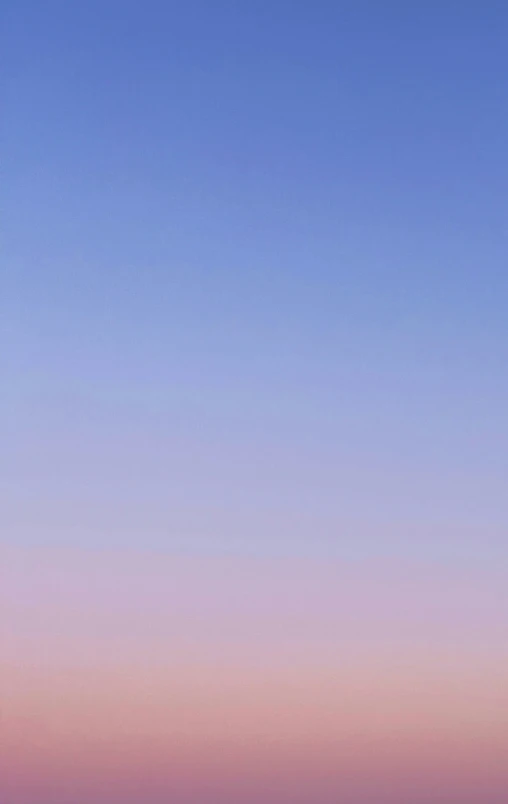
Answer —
(141, 677)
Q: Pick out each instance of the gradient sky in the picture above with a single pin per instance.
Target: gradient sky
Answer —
(256, 283)
(154, 679)
(255, 305)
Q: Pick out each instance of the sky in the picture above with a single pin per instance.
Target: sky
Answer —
(254, 301)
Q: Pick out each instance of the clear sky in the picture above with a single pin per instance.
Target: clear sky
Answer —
(256, 288)
(254, 304)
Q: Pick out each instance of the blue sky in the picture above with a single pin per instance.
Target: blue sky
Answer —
(256, 289)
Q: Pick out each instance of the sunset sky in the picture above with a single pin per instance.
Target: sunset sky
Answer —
(254, 507)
